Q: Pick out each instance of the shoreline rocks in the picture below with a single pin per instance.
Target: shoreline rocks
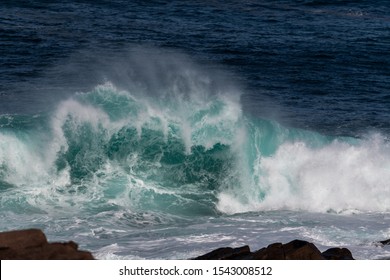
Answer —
(32, 244)
(294, 250)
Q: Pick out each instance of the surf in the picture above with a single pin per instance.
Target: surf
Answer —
(177, 142)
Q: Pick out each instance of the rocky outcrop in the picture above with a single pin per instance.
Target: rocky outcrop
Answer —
(385, 242)
(32, 244)
(337, 254)
(294, 250)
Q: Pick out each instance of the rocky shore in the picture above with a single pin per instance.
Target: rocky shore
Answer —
(294, 250)
(32, 244)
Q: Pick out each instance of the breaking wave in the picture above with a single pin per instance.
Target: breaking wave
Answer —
(178, 143)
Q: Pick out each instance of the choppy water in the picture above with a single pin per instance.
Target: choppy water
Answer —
(163, 129)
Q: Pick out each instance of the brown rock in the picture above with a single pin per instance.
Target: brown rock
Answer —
(20, 239)
(337, 254)
(272, 252)
(294, 250)
(301, 250)
(32, 244)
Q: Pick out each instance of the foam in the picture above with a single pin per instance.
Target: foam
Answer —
(339, 177)
(21, 164)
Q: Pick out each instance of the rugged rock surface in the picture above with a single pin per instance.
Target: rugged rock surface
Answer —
(294, 250)
(32, 244)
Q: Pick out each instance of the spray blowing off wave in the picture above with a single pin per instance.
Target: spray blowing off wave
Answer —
(185, 149)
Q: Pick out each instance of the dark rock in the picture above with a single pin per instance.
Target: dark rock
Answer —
(301, 250)
(32, 244)
(385, 242)
(227, 254)
(20, 239)
(272, 252)
(337, 254)
(294, 250)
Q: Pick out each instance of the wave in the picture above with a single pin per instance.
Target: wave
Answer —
(185, 150)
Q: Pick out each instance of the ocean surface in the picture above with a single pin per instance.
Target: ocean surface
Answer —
(165, 129)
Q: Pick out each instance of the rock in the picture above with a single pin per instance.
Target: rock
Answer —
(337, 254)
(294, 250)
(227, 254)
(272, 252)
(20, 239)
(301, 250)
(32, 244)
(385, 242)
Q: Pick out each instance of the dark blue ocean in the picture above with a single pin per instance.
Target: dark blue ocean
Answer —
(164, 129)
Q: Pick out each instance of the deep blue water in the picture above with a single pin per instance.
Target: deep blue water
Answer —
(182, 125)
(321, 65)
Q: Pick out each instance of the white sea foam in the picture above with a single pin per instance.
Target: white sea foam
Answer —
(336, 177)
(21, 163)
